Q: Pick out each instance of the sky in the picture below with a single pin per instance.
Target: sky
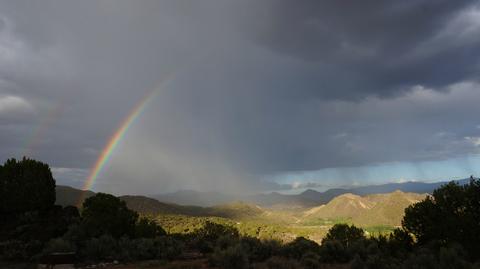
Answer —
(246, 96)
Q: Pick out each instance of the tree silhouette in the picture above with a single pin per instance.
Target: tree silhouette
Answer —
(146, 228)
(450, 215)
(107, 214)
(344, 234)
(26, 185)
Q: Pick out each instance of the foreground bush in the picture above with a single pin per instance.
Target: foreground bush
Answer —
(298, 247)
(146, 228)
(310, 260)
(344, 234)
(232, 257)
(126, 249)
(206, 237)
(280, 263)
(99, 249)
(59, 245)
(260, 250)
(16, 250)
(334, 252)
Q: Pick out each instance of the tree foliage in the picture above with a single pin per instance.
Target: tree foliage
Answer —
(344, 234)
(298, 247)
(147, 228)
(450, 215)
(26, 185)
(107, 214)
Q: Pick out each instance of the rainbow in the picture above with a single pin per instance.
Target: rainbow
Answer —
(115, 139)
(41, 128)
(118, 135)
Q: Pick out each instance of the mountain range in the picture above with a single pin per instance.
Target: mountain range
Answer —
(367, 205)
(368, 210)
(308, 198)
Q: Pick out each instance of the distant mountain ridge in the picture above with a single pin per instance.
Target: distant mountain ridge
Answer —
(308, 198)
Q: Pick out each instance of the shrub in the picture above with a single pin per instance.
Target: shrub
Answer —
(146, 228)
(333, 251)
(59, 245)
(281, 263)
(422, 259)
(103, 248)
(164, 247)
(400, 243)
(233, 257)
(344, 234)
(310, 260)
(225, 241)
(127, 250)
(212, 231)
(358, 263)
(298, 247)
(260, 250)
(362, 248)
(76, 233)
(16, 250)
(146, 249)
(168, 247)
(207, 236)
(452, 258)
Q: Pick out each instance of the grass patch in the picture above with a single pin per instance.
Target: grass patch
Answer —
(327, 222)
(379, 230)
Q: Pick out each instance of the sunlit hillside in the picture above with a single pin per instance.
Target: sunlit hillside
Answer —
(371, 210)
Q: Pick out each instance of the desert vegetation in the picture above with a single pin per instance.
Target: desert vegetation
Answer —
(441, 231)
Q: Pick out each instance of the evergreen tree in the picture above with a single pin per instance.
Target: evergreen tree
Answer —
(26, 185)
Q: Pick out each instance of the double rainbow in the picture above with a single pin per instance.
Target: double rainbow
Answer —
(114, 140)
(40, 130)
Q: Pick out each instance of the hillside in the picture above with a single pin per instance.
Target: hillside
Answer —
(376, 209)
(236, 210)
(198, 198)
(66, 195)
(146, 205)
(278, 200)
(345, 206)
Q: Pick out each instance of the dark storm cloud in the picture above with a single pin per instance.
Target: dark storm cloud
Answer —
(257, 87)
(382, 47)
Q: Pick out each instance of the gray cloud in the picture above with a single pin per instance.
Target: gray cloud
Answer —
(257, 87)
